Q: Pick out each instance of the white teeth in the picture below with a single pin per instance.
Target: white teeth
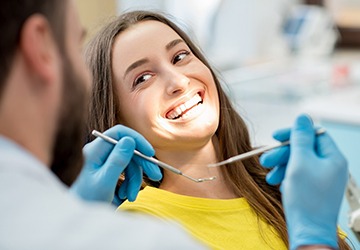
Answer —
(193, 101)
(183, 107)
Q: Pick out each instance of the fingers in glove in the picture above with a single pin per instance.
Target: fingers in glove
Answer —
(150, 169)
(278, 156)
(118, 160)
(132, 183)
(134, 175)
(103, 148)
(303, 134)
(276, 175)
(122, 190)
(117, 201)
(325, 146)
(142, 144)
(282, 134)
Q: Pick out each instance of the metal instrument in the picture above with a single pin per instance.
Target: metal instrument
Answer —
(353, 198)
(153, 160)
(256, 152)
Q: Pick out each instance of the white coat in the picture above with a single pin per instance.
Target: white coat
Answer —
(38, 212)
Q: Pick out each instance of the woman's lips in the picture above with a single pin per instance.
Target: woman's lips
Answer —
(180, 110)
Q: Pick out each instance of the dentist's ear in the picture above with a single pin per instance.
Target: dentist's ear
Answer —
(39, 49)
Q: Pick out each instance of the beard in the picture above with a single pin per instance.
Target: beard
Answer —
(67, 154)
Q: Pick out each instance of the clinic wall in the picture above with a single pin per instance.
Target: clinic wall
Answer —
(93, 13)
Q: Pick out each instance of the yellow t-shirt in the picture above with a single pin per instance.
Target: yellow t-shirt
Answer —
(220, 224)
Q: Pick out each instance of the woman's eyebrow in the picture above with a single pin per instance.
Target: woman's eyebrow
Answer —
(140, 62)
(135, 65)
(173, 43)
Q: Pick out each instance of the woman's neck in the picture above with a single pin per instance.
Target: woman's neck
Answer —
(193, 163)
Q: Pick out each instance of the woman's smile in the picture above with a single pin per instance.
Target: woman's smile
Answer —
(186, 109)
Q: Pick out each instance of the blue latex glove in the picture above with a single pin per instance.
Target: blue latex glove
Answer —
(104, 162)
(314, 178)
(277, 159)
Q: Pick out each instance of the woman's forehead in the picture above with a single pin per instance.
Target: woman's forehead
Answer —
(148, 30)
(141, 40)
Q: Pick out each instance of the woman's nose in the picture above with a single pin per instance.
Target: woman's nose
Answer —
(177, 82)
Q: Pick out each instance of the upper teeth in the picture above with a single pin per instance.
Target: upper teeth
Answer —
(179, 110)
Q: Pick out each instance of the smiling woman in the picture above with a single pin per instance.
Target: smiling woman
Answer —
(150, 76)
(157, 78)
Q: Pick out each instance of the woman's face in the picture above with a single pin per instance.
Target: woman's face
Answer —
(165, 92)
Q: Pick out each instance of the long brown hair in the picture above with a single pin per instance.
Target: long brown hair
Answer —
(247, 179)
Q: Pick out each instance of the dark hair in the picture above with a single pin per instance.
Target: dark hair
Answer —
(13, 15)
(247, 179)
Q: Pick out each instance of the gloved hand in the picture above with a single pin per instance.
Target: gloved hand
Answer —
(277, 159)
(104, 162)
(313, 179)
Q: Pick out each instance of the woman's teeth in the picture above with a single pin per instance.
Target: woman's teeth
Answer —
(183, 108)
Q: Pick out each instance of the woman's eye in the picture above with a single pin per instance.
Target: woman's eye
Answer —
(142, 78)
(180, 56)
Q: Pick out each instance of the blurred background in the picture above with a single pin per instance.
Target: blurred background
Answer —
(277, 59)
